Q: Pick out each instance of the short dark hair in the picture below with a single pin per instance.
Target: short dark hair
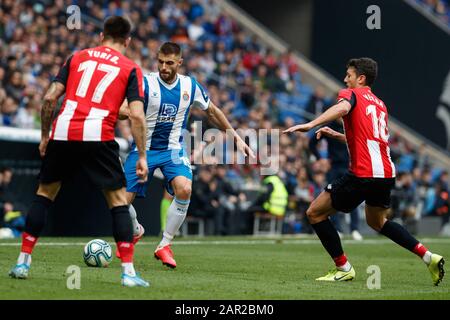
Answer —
(365, 66)
(170, 48)
(116, 28)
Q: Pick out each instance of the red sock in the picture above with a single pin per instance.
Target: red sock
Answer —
(135, 240)
(420, 250)
(28, 243)
(340, 261)
(126, 250)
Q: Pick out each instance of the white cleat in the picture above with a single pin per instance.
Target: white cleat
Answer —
(136, 281)
(20, 271)
(356, 235)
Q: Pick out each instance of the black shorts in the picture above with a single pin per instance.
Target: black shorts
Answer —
(100, 160)
(349, 191)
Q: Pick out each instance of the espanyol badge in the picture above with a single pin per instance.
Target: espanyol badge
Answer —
(185, 96)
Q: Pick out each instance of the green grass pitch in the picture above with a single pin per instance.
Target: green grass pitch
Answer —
(227, 268)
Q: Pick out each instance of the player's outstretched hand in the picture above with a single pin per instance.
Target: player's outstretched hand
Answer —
(142, 170)
(300, 127)
(326, 132)
(43, 146)
(245, 149)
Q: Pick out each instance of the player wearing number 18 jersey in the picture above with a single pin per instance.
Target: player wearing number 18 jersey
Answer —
(371, 173)
(95, 82)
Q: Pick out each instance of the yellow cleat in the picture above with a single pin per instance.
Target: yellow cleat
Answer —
(338, 275)
(436, 268)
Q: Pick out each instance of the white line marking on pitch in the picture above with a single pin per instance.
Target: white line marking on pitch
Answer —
(238, 242)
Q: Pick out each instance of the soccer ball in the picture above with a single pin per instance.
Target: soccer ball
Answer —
(97, 253)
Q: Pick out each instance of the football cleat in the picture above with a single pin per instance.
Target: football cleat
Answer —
(436, 268)
(136, 281)
(165, 254)
(20, 271)
(357, 236)
(135, 239)
(338, 275)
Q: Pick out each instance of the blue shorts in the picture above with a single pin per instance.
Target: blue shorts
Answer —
(173, 163)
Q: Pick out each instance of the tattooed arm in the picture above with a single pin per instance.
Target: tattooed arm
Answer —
(55, 91)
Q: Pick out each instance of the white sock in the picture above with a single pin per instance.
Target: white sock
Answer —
(134, 221)
(128, 269)
(175, 218)
(427, 257)
(346, 267)
(24, 258)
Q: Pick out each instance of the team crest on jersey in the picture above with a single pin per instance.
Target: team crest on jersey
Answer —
(154, 94)
(186, 96)
(168, 113)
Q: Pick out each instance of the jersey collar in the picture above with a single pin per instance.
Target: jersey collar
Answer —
(169, 86)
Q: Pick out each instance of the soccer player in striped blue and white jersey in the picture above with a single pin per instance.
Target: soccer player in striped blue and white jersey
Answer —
(168, 99)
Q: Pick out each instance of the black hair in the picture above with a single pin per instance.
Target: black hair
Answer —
(170, 48)
(116, 28)
(365, 66)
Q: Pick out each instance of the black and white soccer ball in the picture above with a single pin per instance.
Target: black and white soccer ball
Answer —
(97, 253)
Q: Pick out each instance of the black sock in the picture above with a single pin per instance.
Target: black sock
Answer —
(399, 235)
(122, 226)
(329, 238)
(37, 215)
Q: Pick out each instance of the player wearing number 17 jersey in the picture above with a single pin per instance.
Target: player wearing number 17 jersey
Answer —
(95, 82)
(371, 173)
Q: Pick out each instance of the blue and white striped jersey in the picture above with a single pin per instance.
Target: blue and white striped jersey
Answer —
(167, 108)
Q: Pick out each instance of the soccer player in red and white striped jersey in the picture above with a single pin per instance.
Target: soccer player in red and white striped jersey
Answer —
(371, 175)
(95, 82)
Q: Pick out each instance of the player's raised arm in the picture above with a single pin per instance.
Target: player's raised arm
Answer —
(335, 112)
(216, 116)
(328, 132)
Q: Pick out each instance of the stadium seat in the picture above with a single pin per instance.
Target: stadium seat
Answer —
(262, 220)
(199, 226)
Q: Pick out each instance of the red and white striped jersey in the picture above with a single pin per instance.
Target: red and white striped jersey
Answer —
(366, 131)
(97, 81)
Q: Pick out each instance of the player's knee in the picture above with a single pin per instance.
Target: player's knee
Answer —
(184, 192)
(116, 198)
(375, 224)
(312, 215)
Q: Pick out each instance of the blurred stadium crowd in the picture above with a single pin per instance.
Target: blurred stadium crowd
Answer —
(439, 8)
(254, 86)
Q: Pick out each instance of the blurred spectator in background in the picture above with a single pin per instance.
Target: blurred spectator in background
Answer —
(317, 103)
(404, 203)
(302, 196)
(12, 220)
(273, 199)
(205, 200)
(439, 8)
(230, 199)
